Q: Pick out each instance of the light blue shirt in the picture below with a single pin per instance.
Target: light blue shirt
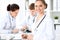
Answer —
(7, 24)
(29, 21)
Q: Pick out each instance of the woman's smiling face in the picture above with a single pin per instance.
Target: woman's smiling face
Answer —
(39, 6)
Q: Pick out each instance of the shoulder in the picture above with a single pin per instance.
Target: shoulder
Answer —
(6, 18)
(48, 19)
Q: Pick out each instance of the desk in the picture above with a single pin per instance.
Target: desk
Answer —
(10, 37)
(56, 24)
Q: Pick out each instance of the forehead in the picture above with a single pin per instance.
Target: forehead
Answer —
(32, 10)
(38, 3)
(15, 10)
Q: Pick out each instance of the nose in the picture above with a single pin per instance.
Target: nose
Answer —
(38, 7)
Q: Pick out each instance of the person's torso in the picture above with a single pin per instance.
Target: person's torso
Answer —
(10, 22)
(30, 20)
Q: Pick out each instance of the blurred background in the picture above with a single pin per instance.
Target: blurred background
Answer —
(53, 11)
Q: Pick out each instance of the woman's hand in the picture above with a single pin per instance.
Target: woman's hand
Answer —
(24, 36)
(24, 28)
(15, 31)
(30, 37)
(27, 36)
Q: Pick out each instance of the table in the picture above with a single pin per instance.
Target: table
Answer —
(10, 37)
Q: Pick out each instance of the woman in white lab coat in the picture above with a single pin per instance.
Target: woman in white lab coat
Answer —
(10, 21)
(43, 27)
(29, 18)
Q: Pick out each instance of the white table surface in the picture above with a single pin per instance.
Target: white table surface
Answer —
(9, 36)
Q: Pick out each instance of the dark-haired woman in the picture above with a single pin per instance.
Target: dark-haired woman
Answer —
(10, 20)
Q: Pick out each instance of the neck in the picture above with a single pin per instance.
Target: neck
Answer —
(32, 14)
(41, 14)
(13, 15)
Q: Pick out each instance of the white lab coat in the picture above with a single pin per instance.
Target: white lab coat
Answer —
(45, 31)
(7, 24)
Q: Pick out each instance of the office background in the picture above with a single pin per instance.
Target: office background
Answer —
(53, 10)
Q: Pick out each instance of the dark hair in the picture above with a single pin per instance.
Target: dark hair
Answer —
(12, 7)
(43, 1)
(37, 0)
(31, 7)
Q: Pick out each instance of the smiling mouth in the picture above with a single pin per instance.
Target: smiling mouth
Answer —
(39, 10)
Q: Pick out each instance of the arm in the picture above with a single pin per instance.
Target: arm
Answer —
(50, 32)
(2, 30)
(19, 27)
(4, 23)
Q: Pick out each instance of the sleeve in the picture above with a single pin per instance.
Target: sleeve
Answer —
(2, 25)
(21, 23)
(18, 26)
(50, 32)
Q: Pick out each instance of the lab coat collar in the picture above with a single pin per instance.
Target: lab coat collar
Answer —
(39, 19)
(12, 18)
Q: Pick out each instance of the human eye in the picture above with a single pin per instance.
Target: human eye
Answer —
(40, 5)
(35, 5)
